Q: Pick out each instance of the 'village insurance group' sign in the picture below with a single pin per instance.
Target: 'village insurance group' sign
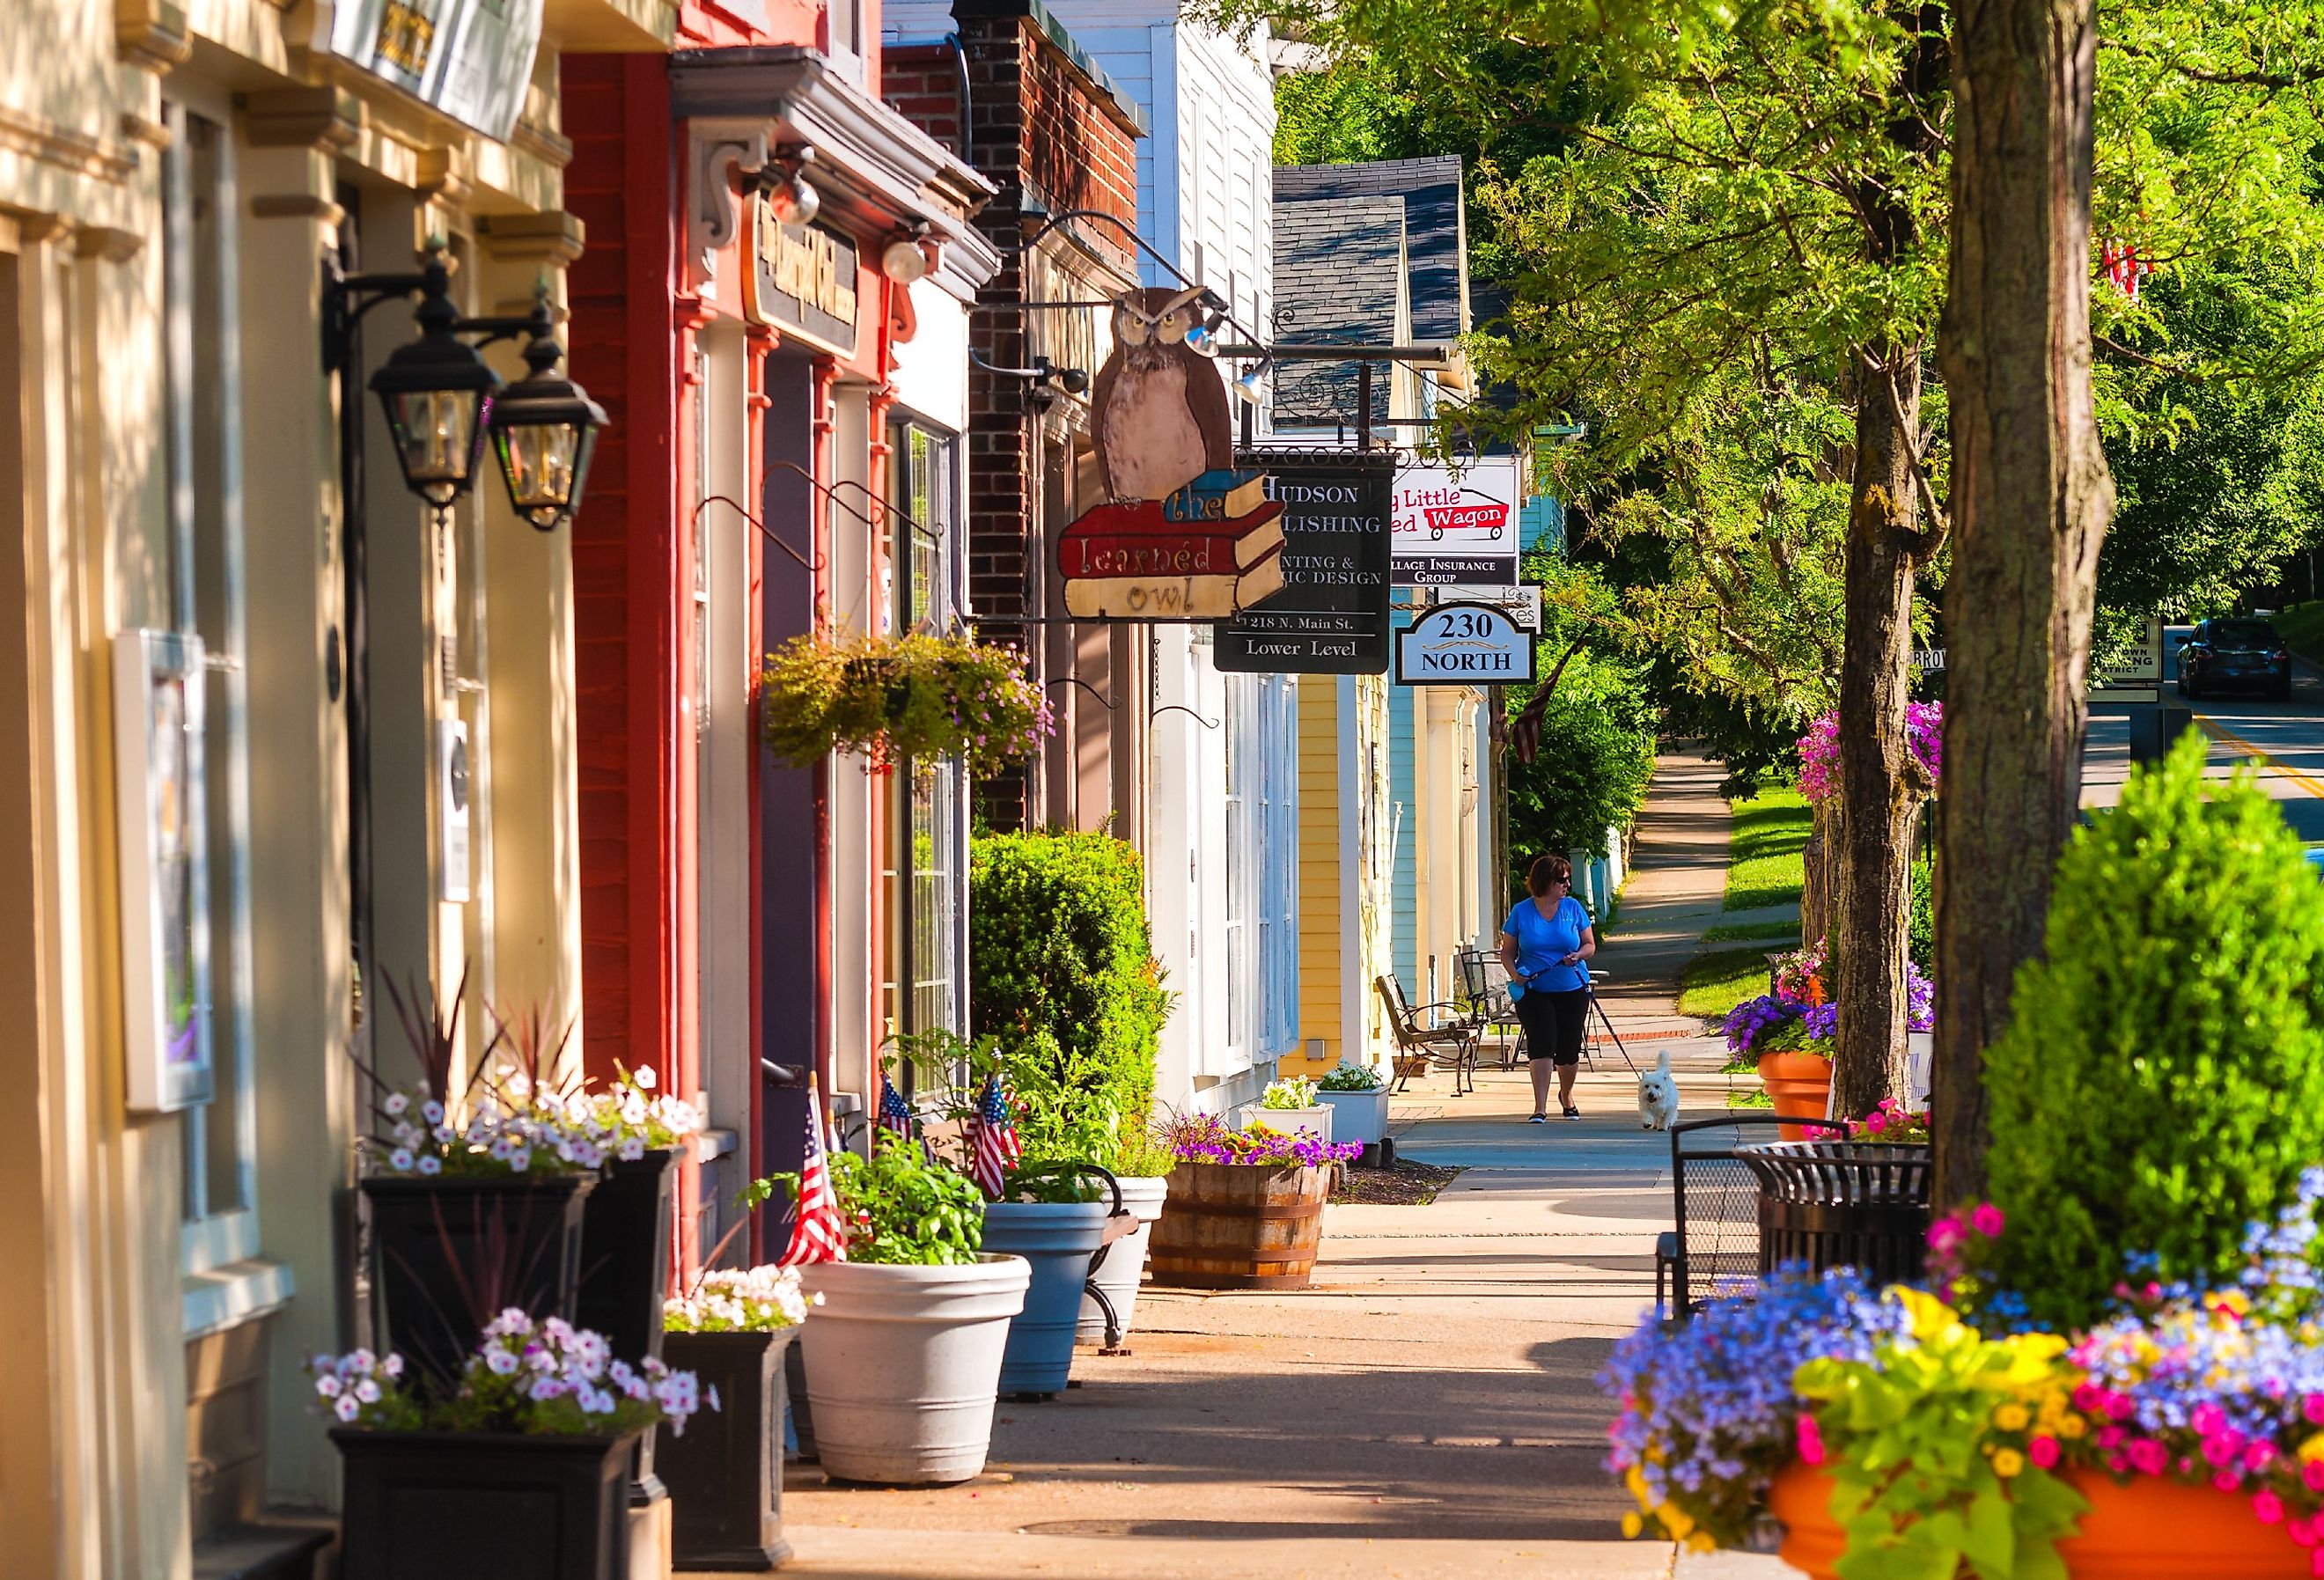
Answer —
(1456, 527)
(1463, 644)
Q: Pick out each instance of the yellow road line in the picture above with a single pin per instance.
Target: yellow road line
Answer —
(2219, 731)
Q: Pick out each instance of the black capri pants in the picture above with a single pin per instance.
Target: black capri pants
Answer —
(1553, 1024)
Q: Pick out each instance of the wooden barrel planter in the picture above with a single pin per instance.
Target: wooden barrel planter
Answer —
(1239, 1226)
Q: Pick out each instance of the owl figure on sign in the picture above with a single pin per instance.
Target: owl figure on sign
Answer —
(1158, 408)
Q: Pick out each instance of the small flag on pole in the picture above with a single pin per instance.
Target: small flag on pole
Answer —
(819, 1234)
(895, 1113)
(992, 1146)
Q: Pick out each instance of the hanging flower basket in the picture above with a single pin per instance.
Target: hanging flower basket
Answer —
(898, 699)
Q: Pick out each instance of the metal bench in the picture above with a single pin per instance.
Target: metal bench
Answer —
(1448, 1043)
(1715, 1194)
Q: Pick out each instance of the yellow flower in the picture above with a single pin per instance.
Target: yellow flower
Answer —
(1635, 1480)
(1676, 1520)
(2011, 1417)
(1632, 1525)
(2072, 1425)
(2007, 1463)
(1700, 1542)
(1931, 1317)
(2312, 1450)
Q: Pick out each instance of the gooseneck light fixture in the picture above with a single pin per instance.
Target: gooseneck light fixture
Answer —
(442, 402)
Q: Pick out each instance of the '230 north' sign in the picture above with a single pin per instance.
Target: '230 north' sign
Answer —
(1463, 644)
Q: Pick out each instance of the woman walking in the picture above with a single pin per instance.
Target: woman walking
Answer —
(1545, 945)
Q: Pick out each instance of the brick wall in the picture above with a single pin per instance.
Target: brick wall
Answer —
(1037, 123)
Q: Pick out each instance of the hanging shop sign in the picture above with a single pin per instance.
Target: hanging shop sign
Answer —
(1463, 644)
(165, 876)
(472, 59)
(1331, 616)
(1184, 533)
(1456, 526)
(1522, 601)
(802, 281)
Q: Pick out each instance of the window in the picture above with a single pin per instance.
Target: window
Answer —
(927, 840)
(1239, 838)
(204, 595)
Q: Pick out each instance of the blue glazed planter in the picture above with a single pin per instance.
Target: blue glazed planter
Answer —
(1058, 1238)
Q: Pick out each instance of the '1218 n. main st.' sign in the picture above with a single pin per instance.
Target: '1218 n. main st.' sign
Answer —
(1463, 644)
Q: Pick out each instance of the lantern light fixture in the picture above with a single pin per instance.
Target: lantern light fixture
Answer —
(437, 394)
(545, 432)
(791, 198)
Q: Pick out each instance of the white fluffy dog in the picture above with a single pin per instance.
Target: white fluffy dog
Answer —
(1658, 1095)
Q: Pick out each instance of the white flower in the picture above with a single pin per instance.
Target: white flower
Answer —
(502, 1363)
(346, 1410)
(545, 1388)
(396, 1103)
(392, 1367)
(711, 1394)
(400, 1159)
(367, 1391)
(518, 1085)
(431, 1164)
(645, 1077)
(520, 1158)
(632, 1149)
(432, 1111)
(328, 1385)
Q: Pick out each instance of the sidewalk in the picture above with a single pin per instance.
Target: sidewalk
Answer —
(1427, 1409)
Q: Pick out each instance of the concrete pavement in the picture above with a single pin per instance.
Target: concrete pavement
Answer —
(1428, 1409)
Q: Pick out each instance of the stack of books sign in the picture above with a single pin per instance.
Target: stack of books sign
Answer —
(1213, 547)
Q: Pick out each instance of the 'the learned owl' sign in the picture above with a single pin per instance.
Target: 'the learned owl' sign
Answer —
(1181, 535)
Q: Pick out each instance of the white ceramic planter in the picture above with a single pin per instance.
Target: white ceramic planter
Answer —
(903, 1365)
(1291, 1120)
(1922, 1047)
(1125, 1261)
(1358, 1116)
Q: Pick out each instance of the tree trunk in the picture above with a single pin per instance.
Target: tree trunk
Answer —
(2029, 501)
(1880, 784)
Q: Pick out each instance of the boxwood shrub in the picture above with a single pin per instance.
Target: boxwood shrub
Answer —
(1058, 943)
(2161, 1084)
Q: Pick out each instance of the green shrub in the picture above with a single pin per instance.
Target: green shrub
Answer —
(1062, 969)
(1921, 928)
(1589, 773)
(2161, 1081)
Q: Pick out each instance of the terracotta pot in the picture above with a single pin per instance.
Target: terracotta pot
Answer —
(2152, 1530)
(1801, 1085)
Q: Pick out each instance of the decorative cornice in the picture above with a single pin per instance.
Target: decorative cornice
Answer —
(76, 153)
(326, 118)
(152, 34)
(137, 128)
(544, 145)
(555, 237)
(297, 206)
(442, 174)
(112, 244)
(714, 147)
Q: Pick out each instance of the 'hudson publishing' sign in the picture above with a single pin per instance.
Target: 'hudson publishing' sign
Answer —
(1331, 616)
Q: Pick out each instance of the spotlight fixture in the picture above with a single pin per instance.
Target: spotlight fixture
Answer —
(906, 259)
(1251, 384)
(791, 198)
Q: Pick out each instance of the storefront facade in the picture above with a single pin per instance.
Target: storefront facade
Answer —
(282, 735)
(793, 464)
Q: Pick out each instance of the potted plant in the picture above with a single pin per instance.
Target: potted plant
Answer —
(2118, 1367)
(1291, 1105)
(732, 1330)
(1770, 1035)
(1053, 1215)
(1246, 1207)
(1141, 1169)
(475, 1205)
(903, 1347)
(1357, 1096)
(516, 1468)
(901, 699)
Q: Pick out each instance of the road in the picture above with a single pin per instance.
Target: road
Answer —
(2285, 740)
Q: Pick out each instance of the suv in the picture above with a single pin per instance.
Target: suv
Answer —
(2224, 653)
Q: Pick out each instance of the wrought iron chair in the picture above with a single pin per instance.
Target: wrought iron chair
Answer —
(1448, 1042)
(1485, 984)
(1715, 1205)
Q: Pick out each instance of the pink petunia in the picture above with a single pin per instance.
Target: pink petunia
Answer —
(2312, 1407)
(1810, 1440)
(2227, 1481)
(2302, 1531)
(2148, 1457)
(2088, 1397)
(1987, 1220)
(2208, 1419)
(2111, 1437)
(2312, 1475)
(1946, 1234)
(2267, 1508)
(2043, 1452)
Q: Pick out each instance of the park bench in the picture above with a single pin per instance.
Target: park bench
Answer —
(1447, 1040)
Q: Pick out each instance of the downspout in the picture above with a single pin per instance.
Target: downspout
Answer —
(827, 377)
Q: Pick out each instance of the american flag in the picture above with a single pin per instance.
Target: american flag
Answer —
(819, 1233)
(895, 1113)
(992, 1146)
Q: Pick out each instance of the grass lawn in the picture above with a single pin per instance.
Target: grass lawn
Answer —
(1745, 932)
(2302, 625)
(1764, 865)
(1713, 984)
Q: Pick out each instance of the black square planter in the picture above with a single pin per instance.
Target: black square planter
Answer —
(625, 1274)
(726, 1474)
(484, 1506)
(437, 1241)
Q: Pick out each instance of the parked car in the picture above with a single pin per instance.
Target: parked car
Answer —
(2223, 654)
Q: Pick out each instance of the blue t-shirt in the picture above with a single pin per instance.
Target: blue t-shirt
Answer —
(1545, 940)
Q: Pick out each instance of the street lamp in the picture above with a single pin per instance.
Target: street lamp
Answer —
(545, 431)
(437, 394)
